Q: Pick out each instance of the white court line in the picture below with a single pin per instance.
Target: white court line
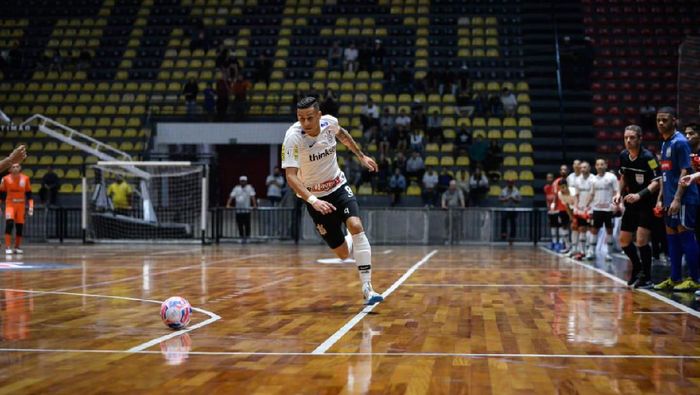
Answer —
(362, 354)
(323, 347)
(516, 285)
(212, 316)
(654, 295)
(387, 252)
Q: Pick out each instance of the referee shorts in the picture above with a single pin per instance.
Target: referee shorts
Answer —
(637, 216)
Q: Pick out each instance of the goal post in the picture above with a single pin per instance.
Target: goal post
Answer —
(145, 201)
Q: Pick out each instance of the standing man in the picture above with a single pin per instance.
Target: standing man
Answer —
(309, 159)
(639, 185)
(16, 192)
(275, 183)
(679, 202)
(582, 211)
(571, 182)
(559, 220)
(120, 192)
(243, 195)
(605, 186)
(510, 197)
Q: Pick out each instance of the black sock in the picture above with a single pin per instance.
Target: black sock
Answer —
(645, 254)
(631, 252)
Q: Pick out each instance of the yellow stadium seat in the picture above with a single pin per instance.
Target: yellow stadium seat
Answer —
(522, 86)
(526, 175)
(494, 190)
(447, 161)
(510, 123)
(431, 160)
(527, 191)
(463, 161)
(525, 134)
(447, 148)
(365, 189)
(479, 133)
(494, 134)
(66, 188)
(432, 147)
(523, 109)
(510, 161)
(525, 148)
(413, 190)
(510, 148)
(449, 134)
(447, 122)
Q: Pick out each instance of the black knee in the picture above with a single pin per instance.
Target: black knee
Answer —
(19, 229)
(9, 224)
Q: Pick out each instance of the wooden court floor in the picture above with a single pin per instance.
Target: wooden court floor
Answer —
(270, 319)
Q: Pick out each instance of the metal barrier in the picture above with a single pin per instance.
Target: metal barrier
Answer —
(383, 225)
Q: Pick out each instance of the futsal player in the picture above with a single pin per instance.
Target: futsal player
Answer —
(560, 219)
(16, 192)
(582, 211)
(679, 202)
(639, 185)
(605, 186)
(311, 166)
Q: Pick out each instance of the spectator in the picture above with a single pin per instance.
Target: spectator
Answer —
(494, 157)
(462, 180)
(240, 96)
(330, 103)
(120, 192)
(56, 61)
(353, 171)
(510, 197)
(364, 58)
(223, 59)
(464, 138)
(494, 105)
(509, 102)
(386, 121)
(84, 59)
(444, 180)
(222, 96)
(335, 56)
(377, 59)
(384, 139)
(397, 186)
(350, 55)
(415, 166)
(416, 139)
(403, 121)
(370, 114)
(430, 181)
(275, 183)
(199, 39)
(405, 79)
(243, 196)
(190, 91)
(400, 161)
(210, 100)
(235, 67)
(49, 187)
(478, 151)
(434, 127)
(262, 68)
(383, 173)
(478, 187)
(453, 196)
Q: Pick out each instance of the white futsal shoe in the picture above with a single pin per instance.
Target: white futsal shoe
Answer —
(370, 296)
(8, 251)
(19, 251)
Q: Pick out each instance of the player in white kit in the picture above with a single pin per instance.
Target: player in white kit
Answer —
(605, 186)
(582, 210)
(311, 166)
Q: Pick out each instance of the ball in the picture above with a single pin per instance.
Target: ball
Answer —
(176, 312)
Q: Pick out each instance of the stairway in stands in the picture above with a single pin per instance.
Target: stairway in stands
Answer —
(559, 137)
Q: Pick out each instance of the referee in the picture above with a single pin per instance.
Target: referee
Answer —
(638, 190)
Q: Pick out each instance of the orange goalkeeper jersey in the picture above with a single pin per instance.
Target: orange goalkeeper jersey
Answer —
(16, 188)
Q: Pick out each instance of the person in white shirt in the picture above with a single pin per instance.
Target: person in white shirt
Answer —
(243, 196)
(605, 187)
(478, 186)
(430, 181)
(510, 103)
(582, 210)
(351, 54)
(370, 115)
(275, 183)
(310, 163)
(571, 183)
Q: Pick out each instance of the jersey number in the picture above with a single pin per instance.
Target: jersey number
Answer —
(349, 190)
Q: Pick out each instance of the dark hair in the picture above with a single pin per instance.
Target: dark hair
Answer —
(667, 110)
(693, 125)
(307, 102)
(634, 128)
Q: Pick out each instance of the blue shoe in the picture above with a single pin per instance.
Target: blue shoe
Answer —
(557, 247)
(370, 296)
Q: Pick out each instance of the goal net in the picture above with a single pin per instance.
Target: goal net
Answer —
(144, 201)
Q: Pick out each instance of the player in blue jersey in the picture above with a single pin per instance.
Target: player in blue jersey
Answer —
(679, 202)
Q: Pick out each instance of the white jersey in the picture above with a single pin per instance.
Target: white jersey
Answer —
(584, 189)
(314, 156)
(571, 183)
(604, 188)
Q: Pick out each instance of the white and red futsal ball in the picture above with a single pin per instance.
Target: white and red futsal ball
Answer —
(176, 312)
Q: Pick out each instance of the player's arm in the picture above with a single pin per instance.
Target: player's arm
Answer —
(344, 137)
(617, 198)
(28, 196)
(3, 191)
(297, 186)
(16, 156)
(253, 200)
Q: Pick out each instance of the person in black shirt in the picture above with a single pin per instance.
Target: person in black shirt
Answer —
(50, 185)
(639, 185)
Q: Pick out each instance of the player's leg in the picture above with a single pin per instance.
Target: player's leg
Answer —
(608, 222)
(19, 228)
(9, 226)
(553, 222)
(689, 245)
(564, 222)
(629, 225)
(675, 253)
(643, 235)
(363, 259)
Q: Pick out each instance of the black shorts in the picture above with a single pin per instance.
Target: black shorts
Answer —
(558, 220)
(601, 218)
(637, 216)
(330, 226)
(579, 221)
